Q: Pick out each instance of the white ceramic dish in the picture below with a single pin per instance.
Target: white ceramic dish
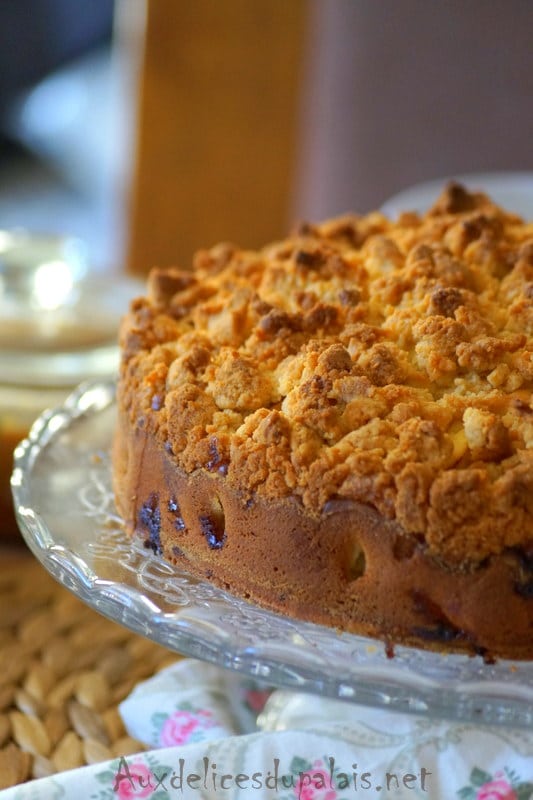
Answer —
(512, 190)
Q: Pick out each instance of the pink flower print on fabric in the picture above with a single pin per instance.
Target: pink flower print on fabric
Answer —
(255, 699)
(497, 789)
(314, 784)
(182, 727)
(505, 784)
(138, 782)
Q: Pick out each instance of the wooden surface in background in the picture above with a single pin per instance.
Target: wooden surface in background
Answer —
(217, 127)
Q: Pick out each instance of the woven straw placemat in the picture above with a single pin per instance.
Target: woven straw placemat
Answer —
(63, 671)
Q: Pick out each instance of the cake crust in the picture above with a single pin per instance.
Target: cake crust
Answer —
(365, 385)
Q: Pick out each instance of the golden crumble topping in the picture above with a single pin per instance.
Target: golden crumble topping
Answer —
(388, 362)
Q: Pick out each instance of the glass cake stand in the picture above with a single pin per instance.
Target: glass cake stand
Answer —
(64, 504)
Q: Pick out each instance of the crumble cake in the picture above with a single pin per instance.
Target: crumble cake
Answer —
(339, 427)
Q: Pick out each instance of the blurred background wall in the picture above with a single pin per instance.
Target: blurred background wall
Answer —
(153, 127)
(402, 92)
(67, 89)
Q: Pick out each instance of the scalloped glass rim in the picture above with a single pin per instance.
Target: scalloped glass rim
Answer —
(62, 490)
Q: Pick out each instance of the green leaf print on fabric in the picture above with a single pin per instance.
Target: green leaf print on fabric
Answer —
(503, 785)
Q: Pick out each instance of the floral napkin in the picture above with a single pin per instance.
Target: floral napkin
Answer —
(213, 735)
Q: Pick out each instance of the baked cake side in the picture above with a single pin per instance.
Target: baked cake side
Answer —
(340, 425)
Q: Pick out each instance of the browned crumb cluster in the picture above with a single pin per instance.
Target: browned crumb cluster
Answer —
(388, 362)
